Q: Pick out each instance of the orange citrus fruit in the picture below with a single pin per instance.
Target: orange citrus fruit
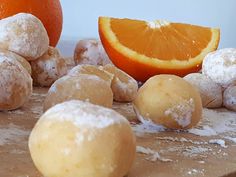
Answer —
(48, 11)
(143, 49)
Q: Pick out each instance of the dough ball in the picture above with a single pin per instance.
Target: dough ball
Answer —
(220, 66)
(20, 59)
(124, 87)
(229, 98)
(211, 93)
(15, 84)
(90, 51)
(78, 139)
(84, 87)
(170, 101)
(70, 63)
(48, 68)
(93, 70)
(25, 35)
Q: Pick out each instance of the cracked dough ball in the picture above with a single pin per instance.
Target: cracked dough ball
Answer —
(90, 51)
(84, 87)
(84, 140)
(15, 84)
(220, 66)
(124, 87)
(229, 98)
(211, 93)
(25, 35)
(20, 59)
(48, 68)
(170, 101)
(92, 70)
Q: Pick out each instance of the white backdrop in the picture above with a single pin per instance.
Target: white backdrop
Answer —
(80, 16)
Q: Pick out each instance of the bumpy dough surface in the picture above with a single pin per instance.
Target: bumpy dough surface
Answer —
(20, 59)
(90, 51)
(84, 87)
(170, 101)
(48, 68)
(124, 87)
(25, 35)
(93, 70)
(220, 66)
(15, 84)
(84, 140)
(211, 93)
(229, 98)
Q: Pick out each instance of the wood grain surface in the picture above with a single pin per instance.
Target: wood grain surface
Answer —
(194, 157)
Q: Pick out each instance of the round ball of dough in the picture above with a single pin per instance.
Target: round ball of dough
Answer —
(84, 140)
(93, 70)
(15, 84)
(170, 101)
(20, 59)
(210, 92)
(48, 68)
(84, 87)
(229, 98)
(124, 87)
(90, 51)
(25, 35)
(220, 66)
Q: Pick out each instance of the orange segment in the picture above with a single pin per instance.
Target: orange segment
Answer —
(143, 49)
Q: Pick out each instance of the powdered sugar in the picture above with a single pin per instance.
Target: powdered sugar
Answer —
(215, 123)
(182, 113)
(220, 66)
(154, 154)
(84, 114)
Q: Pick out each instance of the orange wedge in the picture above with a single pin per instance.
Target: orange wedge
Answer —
(143, 49)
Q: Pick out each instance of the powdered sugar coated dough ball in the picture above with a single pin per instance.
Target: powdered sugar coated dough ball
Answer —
(220, 66)
(124, 87)
(48, 68)
(84, 87)
(211, 93)
(18, 58)
(15, 84)
(170, 101)
(84, 140)
(230, 98)
(25, 35)
(90, 51)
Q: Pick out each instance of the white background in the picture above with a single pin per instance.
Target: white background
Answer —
(80, 16)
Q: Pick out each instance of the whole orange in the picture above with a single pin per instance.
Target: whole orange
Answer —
(48, 11)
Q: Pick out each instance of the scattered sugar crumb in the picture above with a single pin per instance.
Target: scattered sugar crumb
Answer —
(154, 154)
(218, 142)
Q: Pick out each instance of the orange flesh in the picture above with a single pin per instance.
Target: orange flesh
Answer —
(162, 44)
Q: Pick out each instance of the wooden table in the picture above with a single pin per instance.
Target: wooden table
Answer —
(190, 155)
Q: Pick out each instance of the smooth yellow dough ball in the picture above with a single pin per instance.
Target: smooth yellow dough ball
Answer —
(90, 88)
(170, 101)
(79, 139)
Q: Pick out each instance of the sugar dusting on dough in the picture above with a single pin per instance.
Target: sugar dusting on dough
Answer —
(182, 113)
(84, 114)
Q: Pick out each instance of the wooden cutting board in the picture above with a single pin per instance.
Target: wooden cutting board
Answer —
(188, 154)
